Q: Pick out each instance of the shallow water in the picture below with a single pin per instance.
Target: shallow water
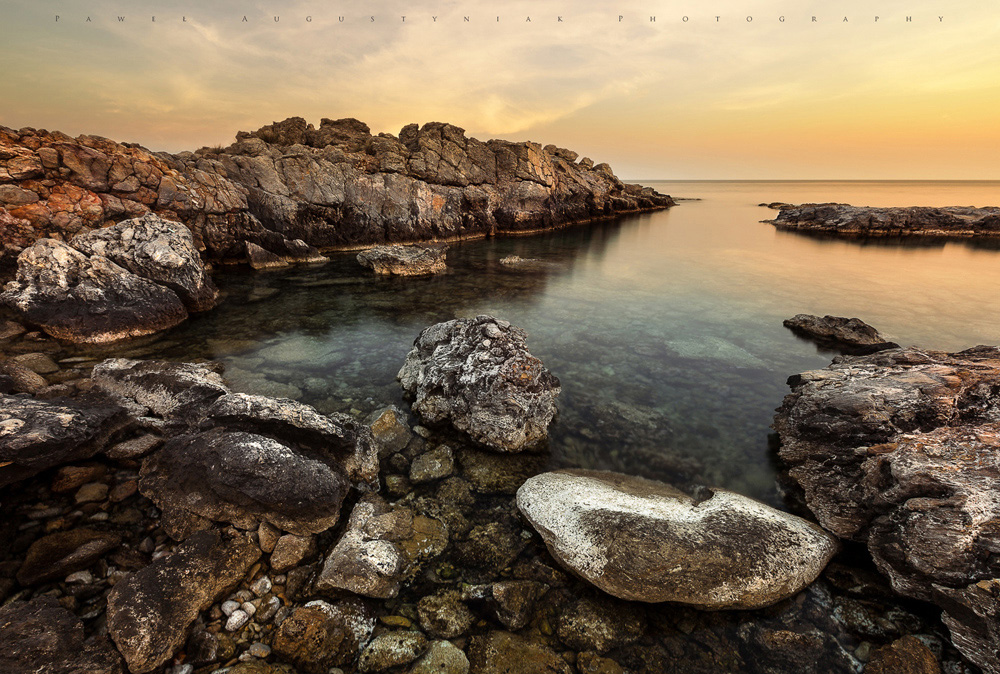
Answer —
(665, 329)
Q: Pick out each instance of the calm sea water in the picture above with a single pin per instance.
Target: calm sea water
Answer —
(665, 329)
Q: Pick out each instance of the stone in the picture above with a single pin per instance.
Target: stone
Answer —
(392, 649)
(907, 655)
(389, 431)
(261, 586)
(433, 465)
(847, 335)
(642, 540)
(38, 363)
(507, 653)
(71, 478)
(589, 662)
(601, 626)
(158, 250)
(87, 299)
(320, 635)
(898, 450)
(10, 329)
(241, 478)
(237, 620)
(22, 380)
(41, 636)
(513, 601)
(150, 611)
(443, 615)
(478, 375)
(259, 650)
(136, 448)
(864, 221)
(39, 434)
(368, 560)
(404, 260)
(267, 537)
(91, 493)
(58, 554)
(290, 551)
(259, 258)
(442, 657)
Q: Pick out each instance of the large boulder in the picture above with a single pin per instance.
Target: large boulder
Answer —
(900, 450)
(847, 335)
(150, 612)
(40, 434)
(477, 374)
(404, 260)
(645, 541)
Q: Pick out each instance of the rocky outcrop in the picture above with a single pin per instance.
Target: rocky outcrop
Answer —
(150, 612)
(863, 221)
(134, 278)
(477, 374)
(290, 188)
(404, 260)
(645, 541)
(900, 450)
(847, 335)
(39, 434)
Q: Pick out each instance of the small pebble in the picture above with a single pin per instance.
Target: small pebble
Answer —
(229, 606)
(280, 616)
(280, 579)
(248, 608)
(147, 545)
(269, 610)
(243, 595)
(83, 577)
(182, 669)
(91, 493)
(237, 620)
(261, 586)
(259, 650)
(98, 517)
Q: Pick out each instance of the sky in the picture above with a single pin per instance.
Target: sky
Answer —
(732, 92)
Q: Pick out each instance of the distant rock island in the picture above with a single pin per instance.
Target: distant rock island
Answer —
(290, 190)
(863, 221)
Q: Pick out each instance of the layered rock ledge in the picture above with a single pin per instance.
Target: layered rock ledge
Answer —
(280, 193)
(864, 221)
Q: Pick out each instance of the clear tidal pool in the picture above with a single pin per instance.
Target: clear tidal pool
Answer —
(664, 328)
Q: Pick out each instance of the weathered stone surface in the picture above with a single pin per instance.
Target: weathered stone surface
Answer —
(506, 653)
(908, 655)
(391, 650)
(389, 430)
(57, 555)
(404, 260)
(847, 335)
(242, 478)
(600, 626)
(87, 299)
(151, 611)
(432, 465)
(38, 363)
(290, 551)
(320, 635)
(158, 250)
(176, 392)
(442, 657)
(39, 434)
(41, 636)
(443, 615)
(645, 541)
(899, 450)
(478, 375)
(865, 221)
(22, 379)
(368, 559)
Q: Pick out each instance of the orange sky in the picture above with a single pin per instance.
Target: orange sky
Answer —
(705, 98)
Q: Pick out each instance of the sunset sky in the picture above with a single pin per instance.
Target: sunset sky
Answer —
(706, 98)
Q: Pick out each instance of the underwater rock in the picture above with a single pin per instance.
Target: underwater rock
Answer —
(507, 653)
(847, 335)
(900, 450)
(478, 374)
(645, 541)
(320, 635)
(404, 260)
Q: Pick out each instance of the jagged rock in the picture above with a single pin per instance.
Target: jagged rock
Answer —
(389, 430)
(478, 375)
(260, 258)
(290, 551)
(865, 221)
(645, 541)
(368, 559)
(87, 299)
(404, 260)
(41, 636)
(150, 611)
(57, 555)
(319, 635)
(899, 450)
(40, 434)
(241, 478)
(848, 335)
(506, 653)
(158, 250)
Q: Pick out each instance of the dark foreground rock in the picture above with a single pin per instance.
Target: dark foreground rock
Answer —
(900, 450)
(404, 260)
(477, 374)
(864, 221)
(645, 541)
(847, 335)
(151, 611)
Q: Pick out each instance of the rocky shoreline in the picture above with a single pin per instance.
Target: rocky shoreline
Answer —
(863, 221)
(286, 192)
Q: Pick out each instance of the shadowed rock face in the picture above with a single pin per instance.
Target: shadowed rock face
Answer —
(863, 221)
(478, 375)
(290, 188)
(645, 541)
(847, 335)
(901, 450)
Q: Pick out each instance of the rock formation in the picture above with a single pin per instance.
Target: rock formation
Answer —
(864, 221)
(900, 450)
(645, 541)
(478, 374)
(404, 260)
(847, 335)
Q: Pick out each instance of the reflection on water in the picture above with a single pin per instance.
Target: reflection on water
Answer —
(665, 329)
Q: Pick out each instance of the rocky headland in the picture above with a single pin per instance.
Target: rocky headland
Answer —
(864, 221)
(289, 190)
